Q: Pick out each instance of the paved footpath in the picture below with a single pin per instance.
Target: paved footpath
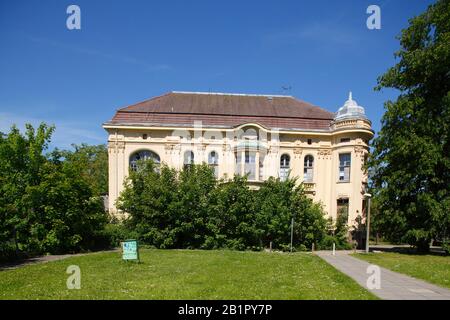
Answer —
(394, 286)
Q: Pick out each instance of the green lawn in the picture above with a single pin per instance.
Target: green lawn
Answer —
(432, 268)
(184, 274)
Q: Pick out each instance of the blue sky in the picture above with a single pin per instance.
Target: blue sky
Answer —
(128, 51)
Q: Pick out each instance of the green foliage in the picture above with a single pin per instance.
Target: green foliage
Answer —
(46, 205)
(411, 158)
(190, 209)
(341, 232)
(150, 198)
(92, 163)
(274, 211)
(114, 233)
(446, 247)
(232, 220)
(337, 233)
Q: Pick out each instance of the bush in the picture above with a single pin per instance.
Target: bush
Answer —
(191, 209)
(8, 252)
(328, 240)
(114, 233)
(418, 238)
(47, 204)
(446, 247)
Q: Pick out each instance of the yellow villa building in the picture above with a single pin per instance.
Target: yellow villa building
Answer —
(257, 135)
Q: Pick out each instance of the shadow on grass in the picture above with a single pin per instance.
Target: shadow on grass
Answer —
(408, 250)
(24, 260)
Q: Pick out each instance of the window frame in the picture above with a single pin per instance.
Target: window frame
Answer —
(149, 154)
(214, 164)
(188, 161)
(285, 166)
(310, 167)
(343, 165)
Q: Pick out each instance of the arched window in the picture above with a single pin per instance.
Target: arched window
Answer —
(188, 159)
(213, 162)
(284, 166)
(143, 155)
(308, 170)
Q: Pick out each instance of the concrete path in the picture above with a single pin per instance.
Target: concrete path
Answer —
(393, 285)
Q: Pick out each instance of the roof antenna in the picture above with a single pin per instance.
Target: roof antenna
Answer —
(286, 89)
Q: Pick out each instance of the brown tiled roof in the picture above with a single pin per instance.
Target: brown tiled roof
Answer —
(224, 110)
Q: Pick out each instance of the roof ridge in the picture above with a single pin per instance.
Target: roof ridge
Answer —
(234, 94)
(227, 114)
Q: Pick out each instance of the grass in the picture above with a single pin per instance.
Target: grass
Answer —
(432, 268)
(184, 274)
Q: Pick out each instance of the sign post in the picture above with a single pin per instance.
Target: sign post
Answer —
(130, 250)
(368, 196)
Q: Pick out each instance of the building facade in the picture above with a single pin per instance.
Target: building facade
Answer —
(256, 135)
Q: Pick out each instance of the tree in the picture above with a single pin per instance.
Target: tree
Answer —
(274, 211)
(277, 202)
(148, 198)
(411, 157)
(21, 159)
(92, 162)
(232, 223)
(46, 202)
(193, 204)
(66, 216)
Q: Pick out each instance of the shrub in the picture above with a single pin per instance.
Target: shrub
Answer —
(190, 209)
(446, 247)
(8, 252)
(114, 233)
(418, 238)
(47, 204)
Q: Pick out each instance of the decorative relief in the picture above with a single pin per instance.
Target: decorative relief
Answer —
(116, 146)
(351, 123)
(168, 148)
(226, 148)
(172, 148)
(360, 151)
(298, 152)
(324, 153)
(274, 149)
(201, 147)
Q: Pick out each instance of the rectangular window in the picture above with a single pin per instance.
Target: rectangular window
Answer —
(344, 167)
(308, 175)
(250, 165)
(238, 164)
(345, 140)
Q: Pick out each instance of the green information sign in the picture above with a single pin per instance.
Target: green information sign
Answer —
(130, 250)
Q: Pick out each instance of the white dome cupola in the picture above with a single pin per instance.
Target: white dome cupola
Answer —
(350, 110)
